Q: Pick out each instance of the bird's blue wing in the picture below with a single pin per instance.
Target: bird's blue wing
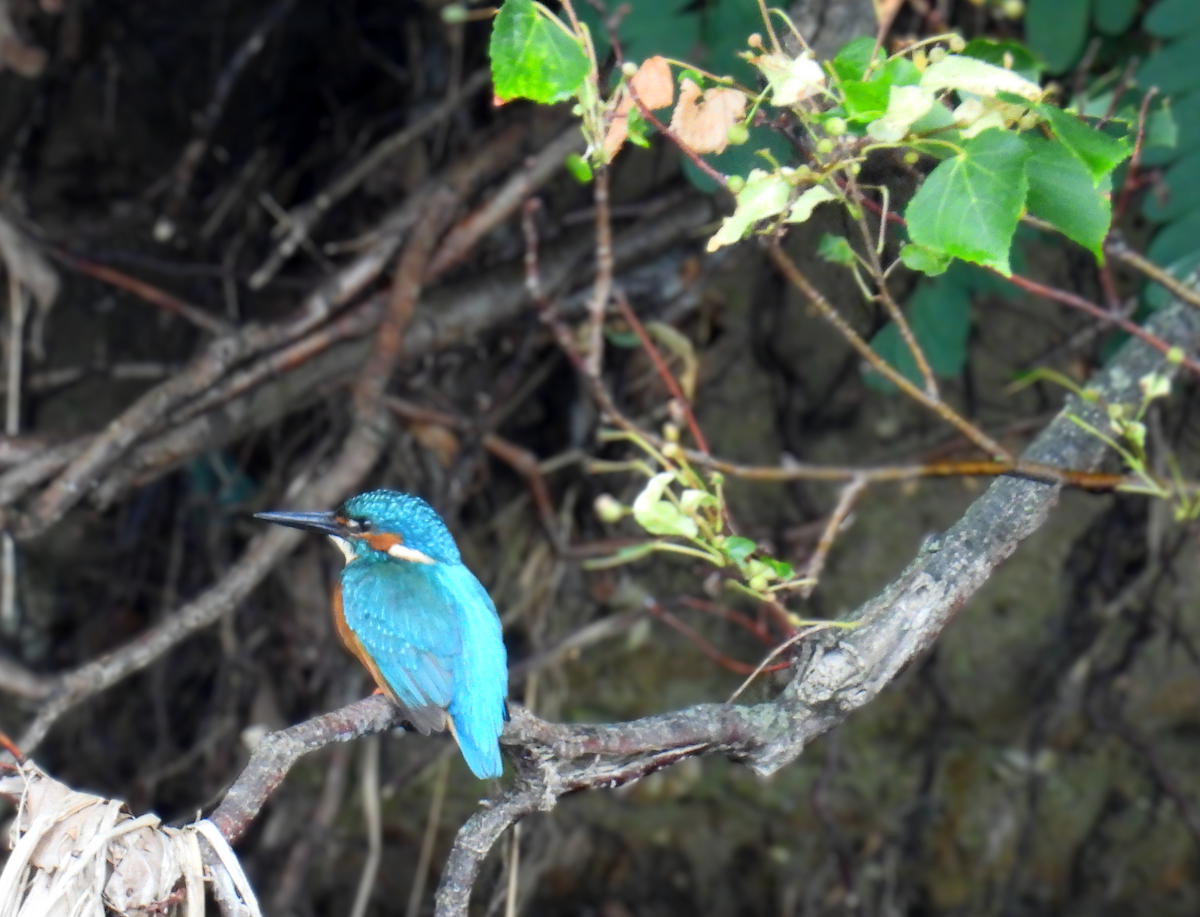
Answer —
(480, 672)
(405, 621)
(434, 634)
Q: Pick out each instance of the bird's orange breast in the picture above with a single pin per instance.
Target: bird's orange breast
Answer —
(352, 643)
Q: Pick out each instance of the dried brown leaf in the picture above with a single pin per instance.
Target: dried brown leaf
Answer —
(702, 121)
(655, 89)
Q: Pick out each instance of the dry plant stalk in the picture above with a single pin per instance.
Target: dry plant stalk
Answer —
(75, 854)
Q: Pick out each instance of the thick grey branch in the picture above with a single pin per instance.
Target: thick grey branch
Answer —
(836, 674)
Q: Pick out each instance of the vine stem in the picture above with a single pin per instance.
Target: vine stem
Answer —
(1121, 250)
(660, 365)
(1078, 302)
(801, 282)
(696, 158)
(885, 295)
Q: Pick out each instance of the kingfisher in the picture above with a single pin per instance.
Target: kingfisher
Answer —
(417, 618)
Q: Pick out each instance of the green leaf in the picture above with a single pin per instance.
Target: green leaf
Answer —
(868, 100)
(1113, 17)
(906, 106)
(659, 516)
(899, 71)
(851, 62)
(1056, 31)
(969, 74)
(766, 195)
(739, 548)
(1185, 113)
(1176, 241)
(650, 27)
(1098, 151)
(1001, 52)
(939, 314)
(533, 56)
(1173, 18)
(780, 568)
(836, 249)
(1162, 130)
(626, 340)
(1061, 193)
(807, 202)
(968, 207)
(937, 125)
(864, 101)
(1172, 68)
(638, 127)
(725, 26)
(926, 260)
(579, 168)
(692, 500)
(1178, 194)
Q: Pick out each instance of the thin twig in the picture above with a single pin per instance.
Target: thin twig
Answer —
(816, 564)
(144, 291)
(1103, 315)
(303, 219)
(1135, 161)
(432, 822)
(1121, 250)
(598, 307)
(9, 620)
(193, 153)
(514, 872)
(369, 778)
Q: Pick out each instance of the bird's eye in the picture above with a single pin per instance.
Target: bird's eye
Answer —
(360, 526)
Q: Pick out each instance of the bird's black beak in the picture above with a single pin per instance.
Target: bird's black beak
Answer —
(324, 523)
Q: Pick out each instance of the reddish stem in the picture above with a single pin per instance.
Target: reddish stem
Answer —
(659, 364)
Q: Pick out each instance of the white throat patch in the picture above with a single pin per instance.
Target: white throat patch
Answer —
(344, 546)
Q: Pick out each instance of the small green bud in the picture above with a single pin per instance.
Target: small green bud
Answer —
(835, 127)
(735, 184)
(824, 146)
(1175, 356)
(629, 68)
(957, 44)
(454, 13)
(1013, 9)
(937, 54)
(760, 583)
(671, 432)
(912, 157)
(855, 168)
(672, 451)
(738, 134)
(609, 509)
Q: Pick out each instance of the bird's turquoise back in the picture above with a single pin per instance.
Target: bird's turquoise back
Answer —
(433, 631)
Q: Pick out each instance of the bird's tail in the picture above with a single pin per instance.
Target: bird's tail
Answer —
(481, 676)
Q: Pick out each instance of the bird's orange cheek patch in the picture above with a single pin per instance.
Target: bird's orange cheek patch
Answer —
(383, 541)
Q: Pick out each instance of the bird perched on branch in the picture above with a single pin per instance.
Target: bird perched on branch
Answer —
(417, 618)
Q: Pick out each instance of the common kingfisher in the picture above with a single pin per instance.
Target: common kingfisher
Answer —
(417, 618)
